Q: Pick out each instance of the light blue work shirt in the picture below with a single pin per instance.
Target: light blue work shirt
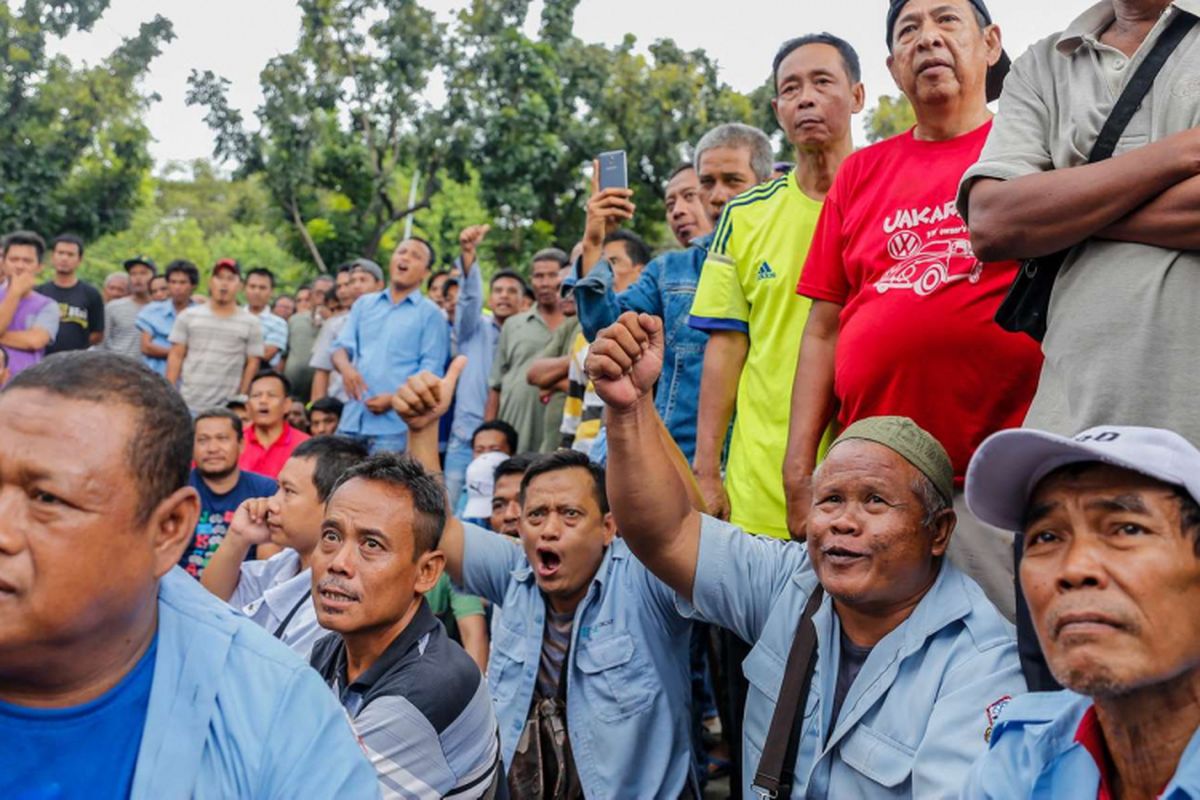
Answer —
(916, 715)
(1033, 754)
(234, 713)
(477, 336)
(388, 343)
(664, 289)
(628, 684)
(157, 319)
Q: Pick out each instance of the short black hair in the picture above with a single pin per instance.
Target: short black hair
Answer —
(551, 254)
(345, 266)
(429, 245)
(159, 454)
(529, 293)
(510, 433)
(503, 274)
(682, 166)
(26, 238)
(567, 459)
(433, 276)
(3, 358)
(845, 50)
(263, 374)
(516, 465)
(186, 267)
(286, 296)
(225, 414)
(328, 405)
(67, 238)
(266, 273)
(428, 496)
(635, 247)
(333, 455)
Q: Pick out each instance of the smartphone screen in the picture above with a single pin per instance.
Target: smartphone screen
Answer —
(613, 173)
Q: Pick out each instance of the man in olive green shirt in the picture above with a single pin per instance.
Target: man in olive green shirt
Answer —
(513, 398)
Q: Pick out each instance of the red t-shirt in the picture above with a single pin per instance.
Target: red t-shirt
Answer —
(917, 336)
(269, 460)
(1091, 737)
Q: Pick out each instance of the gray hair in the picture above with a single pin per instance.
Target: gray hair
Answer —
(735, 134)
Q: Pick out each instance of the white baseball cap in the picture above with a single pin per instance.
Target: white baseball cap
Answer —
(1008, 466)
(481, 480)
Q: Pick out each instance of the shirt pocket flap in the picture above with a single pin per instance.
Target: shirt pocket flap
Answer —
(598, 655)
(764, 671)
(878, 757)
(510, 643)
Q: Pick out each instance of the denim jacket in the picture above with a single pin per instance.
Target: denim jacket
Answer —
(628, 683)
(665, 289)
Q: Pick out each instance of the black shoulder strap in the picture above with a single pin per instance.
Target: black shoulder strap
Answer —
(774, 775)
(278, 634)
(1139, 85)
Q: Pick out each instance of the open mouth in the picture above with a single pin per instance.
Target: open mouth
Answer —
(548, 563)
(842, 556)
(334, 598)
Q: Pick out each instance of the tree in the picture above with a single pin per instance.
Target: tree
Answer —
(75, 148)
(890, 117)
(532, 113)
(341, 115)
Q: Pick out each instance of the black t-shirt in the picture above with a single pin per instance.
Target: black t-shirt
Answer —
(80, 314)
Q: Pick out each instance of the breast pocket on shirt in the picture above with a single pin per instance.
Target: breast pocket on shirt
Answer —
(764, 670)
(876, 756)
(677, 305)
(505, 663)
(616, 684)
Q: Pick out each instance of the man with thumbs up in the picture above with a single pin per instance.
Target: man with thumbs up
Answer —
(590, 643)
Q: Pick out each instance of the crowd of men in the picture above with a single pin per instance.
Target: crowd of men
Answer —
(785, 503)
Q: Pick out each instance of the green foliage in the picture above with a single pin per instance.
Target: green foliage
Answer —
(890, 117)
(343, 128)
(75, 148)
(201, 219)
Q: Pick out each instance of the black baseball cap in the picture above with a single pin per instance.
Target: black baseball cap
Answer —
(996, 72)
(145, 261)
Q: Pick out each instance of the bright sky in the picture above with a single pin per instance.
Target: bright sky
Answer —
(235, 38)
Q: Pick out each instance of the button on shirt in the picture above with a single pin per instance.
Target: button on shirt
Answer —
(628, 685)
(388, 343)
(1042, 748)
(477, 336)
(275, 591)
(1114, 302)
(269, 460)
(915, 717)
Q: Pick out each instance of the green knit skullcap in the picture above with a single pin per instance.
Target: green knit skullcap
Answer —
(911, 441)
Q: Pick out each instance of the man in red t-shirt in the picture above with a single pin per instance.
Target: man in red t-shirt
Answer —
(901, 322)
(270, 440)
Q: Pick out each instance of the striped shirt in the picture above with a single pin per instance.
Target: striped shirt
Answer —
(121, 334)
(584, 410)
(217, 349)
(555, 643)
(422, 713)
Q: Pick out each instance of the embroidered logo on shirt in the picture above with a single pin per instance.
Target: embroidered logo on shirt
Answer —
(765, 272)
(993, 713)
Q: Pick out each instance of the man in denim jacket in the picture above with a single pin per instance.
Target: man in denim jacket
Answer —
(668, 283)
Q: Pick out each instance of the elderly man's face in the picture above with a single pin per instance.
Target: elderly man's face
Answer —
(865, 533)
(75, 559)
(1112, 580)
(940, 54)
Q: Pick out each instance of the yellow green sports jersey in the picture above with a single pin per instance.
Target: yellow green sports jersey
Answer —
(748, 283)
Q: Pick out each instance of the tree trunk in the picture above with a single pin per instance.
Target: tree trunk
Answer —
(298, 221)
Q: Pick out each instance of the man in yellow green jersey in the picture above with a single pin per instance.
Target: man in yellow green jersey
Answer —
(746, 298)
